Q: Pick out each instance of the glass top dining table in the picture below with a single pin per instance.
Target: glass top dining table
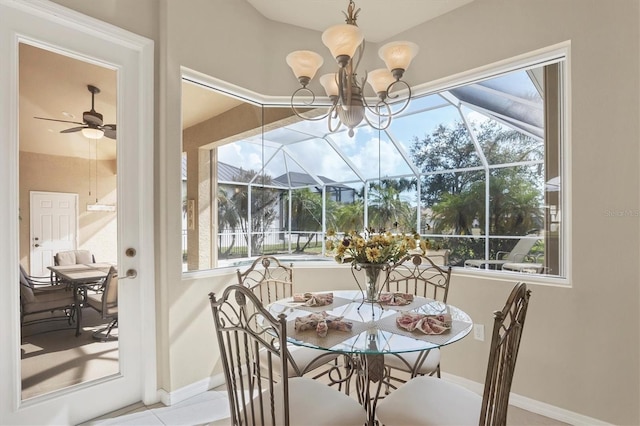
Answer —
(374, 333)
(374, 329)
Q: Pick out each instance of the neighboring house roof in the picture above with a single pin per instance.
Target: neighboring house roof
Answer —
(297, 179)
(227, 172)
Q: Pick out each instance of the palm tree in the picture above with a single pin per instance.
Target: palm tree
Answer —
(306, 214)
(387, 209)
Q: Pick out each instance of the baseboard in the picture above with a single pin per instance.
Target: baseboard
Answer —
(544, 409)
(182, 394)
(532, 405)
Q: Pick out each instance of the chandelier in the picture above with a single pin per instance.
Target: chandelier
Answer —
(348, 103)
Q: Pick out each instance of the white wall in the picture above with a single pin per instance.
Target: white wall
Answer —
(581, 344)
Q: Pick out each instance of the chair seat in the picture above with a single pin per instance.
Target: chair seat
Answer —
(312, 403)
(429, 365)
(306, 359)
(95, 301)
(426, 400)
(49, 300)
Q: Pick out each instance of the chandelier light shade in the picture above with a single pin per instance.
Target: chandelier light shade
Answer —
(342, 41)
(380, 80)
(398, 55)
(348, 102)
(304, 64)
(92, 133)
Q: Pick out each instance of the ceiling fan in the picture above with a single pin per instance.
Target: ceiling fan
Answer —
(92, 125)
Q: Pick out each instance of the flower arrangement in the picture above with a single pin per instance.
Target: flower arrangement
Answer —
(372, 247)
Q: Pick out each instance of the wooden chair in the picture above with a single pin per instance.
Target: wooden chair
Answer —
(270, 280)
(430, 401)
(421, 276)
(260, 396)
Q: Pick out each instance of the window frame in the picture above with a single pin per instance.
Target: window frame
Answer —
(548, 55)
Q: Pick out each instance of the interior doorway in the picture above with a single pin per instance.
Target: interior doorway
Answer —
(116, 204)
(53, 228)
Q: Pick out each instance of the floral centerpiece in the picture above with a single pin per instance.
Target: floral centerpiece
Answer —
(372, 252)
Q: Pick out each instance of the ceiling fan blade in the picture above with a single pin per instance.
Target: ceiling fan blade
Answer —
(73, 129)
(110, 133)
(60, 121)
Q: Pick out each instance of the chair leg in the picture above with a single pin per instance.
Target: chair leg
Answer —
(104, 334)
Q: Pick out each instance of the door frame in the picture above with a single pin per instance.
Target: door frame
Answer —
(57, 28)
(76, 230)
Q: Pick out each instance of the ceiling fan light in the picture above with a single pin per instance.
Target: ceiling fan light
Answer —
(304, 63)
(398, 54)
(92, 133)
(342, 39)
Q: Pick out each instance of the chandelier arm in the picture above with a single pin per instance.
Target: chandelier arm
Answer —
(383, 119)
(360, 54)
(308, 104)
(407, 99)
(330, 120)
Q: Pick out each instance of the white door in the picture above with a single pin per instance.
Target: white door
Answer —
(53, 221)
(52, 27)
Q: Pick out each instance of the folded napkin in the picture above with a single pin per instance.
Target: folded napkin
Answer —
(395, 299)
(322, 322)
(311, 299)
(427, 324)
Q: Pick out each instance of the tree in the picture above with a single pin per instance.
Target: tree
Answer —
(228, 219)
(457, 198)
(263, 206)
(306, 215)
(451, 148)
(387, 209)
(347, 217)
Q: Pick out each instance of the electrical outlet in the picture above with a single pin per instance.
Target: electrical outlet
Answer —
(478, 332)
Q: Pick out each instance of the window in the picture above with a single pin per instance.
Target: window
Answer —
(476, 169)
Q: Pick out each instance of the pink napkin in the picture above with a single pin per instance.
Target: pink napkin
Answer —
(311, 299)
(322, 322)
(427, 324)
(395, 299)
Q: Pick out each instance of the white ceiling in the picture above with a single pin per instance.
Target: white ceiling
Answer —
(53, 85)
(378, 19)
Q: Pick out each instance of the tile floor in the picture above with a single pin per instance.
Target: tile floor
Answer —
(212, 408)
(209, 408)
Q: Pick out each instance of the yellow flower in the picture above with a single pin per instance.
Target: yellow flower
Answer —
(371, 247)
(373, 254)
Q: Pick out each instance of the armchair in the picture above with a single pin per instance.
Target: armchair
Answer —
(106, 302)
(39, 295)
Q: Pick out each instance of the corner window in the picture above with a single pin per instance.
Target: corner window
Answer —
(476, 169)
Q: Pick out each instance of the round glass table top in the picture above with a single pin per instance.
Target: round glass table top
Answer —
(373, 326)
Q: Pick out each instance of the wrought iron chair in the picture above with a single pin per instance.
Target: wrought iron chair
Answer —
(430, 401)
(73, 257)
(421, 276)
(261, 396)
(106, 302)
(39, 295)
(270, 280)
